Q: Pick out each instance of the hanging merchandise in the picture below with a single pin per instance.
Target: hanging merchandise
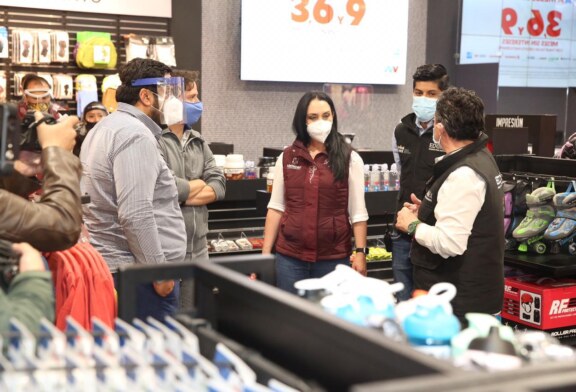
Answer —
(539, 215)
(62, 87)
(164, 51)
(95, 50)
(157, 48)
(18, 76)
(138, 46)
(60, 46)
(562, 230)
(3, 43)
(110, 84)
(86, 91)
(42, 47)
(23, 47)
(3, 86)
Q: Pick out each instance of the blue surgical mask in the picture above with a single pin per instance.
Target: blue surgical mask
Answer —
(193, 112)
(424, 108)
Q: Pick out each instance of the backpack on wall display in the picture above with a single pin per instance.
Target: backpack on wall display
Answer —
(95, 50)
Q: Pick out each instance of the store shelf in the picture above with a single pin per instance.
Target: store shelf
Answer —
(559, 265)
(377, 203)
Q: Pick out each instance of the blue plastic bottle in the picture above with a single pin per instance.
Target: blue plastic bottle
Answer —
(432, 325)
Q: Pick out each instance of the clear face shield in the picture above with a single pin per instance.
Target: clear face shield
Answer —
(171, 96)
(38, 99)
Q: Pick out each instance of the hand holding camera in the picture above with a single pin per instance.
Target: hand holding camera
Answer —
(48, 132)
(40, 130)
(17, 258)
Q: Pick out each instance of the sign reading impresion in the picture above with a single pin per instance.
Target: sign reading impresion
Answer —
(155, 8)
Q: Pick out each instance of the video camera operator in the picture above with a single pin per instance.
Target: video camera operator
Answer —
(29, 295)
(54, 222)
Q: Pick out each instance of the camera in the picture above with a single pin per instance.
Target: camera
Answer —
(16, 135)
(9, 264)
(9, 138)
(29, 134)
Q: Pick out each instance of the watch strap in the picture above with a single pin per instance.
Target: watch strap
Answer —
(362, 250)
(412, 227)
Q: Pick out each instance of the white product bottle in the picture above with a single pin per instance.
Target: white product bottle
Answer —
(385, 177)
(366, 178)
(394, 181)
(375, 178)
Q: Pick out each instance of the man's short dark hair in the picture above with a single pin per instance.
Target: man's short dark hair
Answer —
(29, 78)
(432, 73)
(139, 69)
(190, 77)
(461, 112)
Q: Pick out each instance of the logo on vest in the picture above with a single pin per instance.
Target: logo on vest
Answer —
(499, 181)
(428, 196)
(295, 165)
(403, 150)
(435, 147)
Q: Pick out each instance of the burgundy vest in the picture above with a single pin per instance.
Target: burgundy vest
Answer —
(315, 224)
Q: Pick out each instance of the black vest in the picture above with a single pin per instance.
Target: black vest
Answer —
(417, 155)
(478, 273)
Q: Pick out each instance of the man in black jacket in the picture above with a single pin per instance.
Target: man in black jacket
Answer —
(457, 227)
(414, 154)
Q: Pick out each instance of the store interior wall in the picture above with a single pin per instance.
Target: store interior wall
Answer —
(253, 115)
(442, 47)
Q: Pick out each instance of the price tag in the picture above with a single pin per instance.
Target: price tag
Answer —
(101, 54)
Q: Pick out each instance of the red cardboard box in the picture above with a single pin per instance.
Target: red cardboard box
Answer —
(547, 304)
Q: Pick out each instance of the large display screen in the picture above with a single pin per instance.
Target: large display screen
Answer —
(325, 41)
(533, 40)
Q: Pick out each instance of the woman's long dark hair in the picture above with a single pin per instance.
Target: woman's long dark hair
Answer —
(337, 148)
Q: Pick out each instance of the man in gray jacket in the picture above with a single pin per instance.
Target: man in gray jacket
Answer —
(198, 179)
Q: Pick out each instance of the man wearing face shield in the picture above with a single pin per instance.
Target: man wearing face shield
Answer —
(37, 96)
(414, 154)
(198, 179)
(133, 215)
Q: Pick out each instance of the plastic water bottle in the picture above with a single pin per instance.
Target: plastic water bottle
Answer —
(432, 325)
(366, 178)
(385, 177)
(375, 178)
(394, 183)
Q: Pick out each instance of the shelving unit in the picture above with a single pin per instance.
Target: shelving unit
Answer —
(540, 168)
(73, 22)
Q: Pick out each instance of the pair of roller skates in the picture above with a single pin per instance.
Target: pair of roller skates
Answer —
(540, 214)
(562, 231)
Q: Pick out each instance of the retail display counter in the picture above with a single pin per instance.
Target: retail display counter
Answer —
(295, 334)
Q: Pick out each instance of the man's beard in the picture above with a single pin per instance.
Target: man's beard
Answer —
(155, 113)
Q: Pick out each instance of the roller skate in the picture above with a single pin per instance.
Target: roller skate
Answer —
(562, 230)
(508, 207)
(540, 214)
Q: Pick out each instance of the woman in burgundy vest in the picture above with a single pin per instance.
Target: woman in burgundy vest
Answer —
(317, 198)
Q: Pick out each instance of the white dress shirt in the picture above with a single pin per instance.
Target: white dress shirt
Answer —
(460, 198)
(356, 204)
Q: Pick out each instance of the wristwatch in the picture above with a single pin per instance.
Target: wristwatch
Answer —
(362, 250)
(412, 227)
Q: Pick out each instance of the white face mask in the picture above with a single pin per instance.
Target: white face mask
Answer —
(319, 130)
(434, 137)
(173, 111)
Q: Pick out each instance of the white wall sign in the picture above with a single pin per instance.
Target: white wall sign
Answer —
(336, 41)
(157, 8)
